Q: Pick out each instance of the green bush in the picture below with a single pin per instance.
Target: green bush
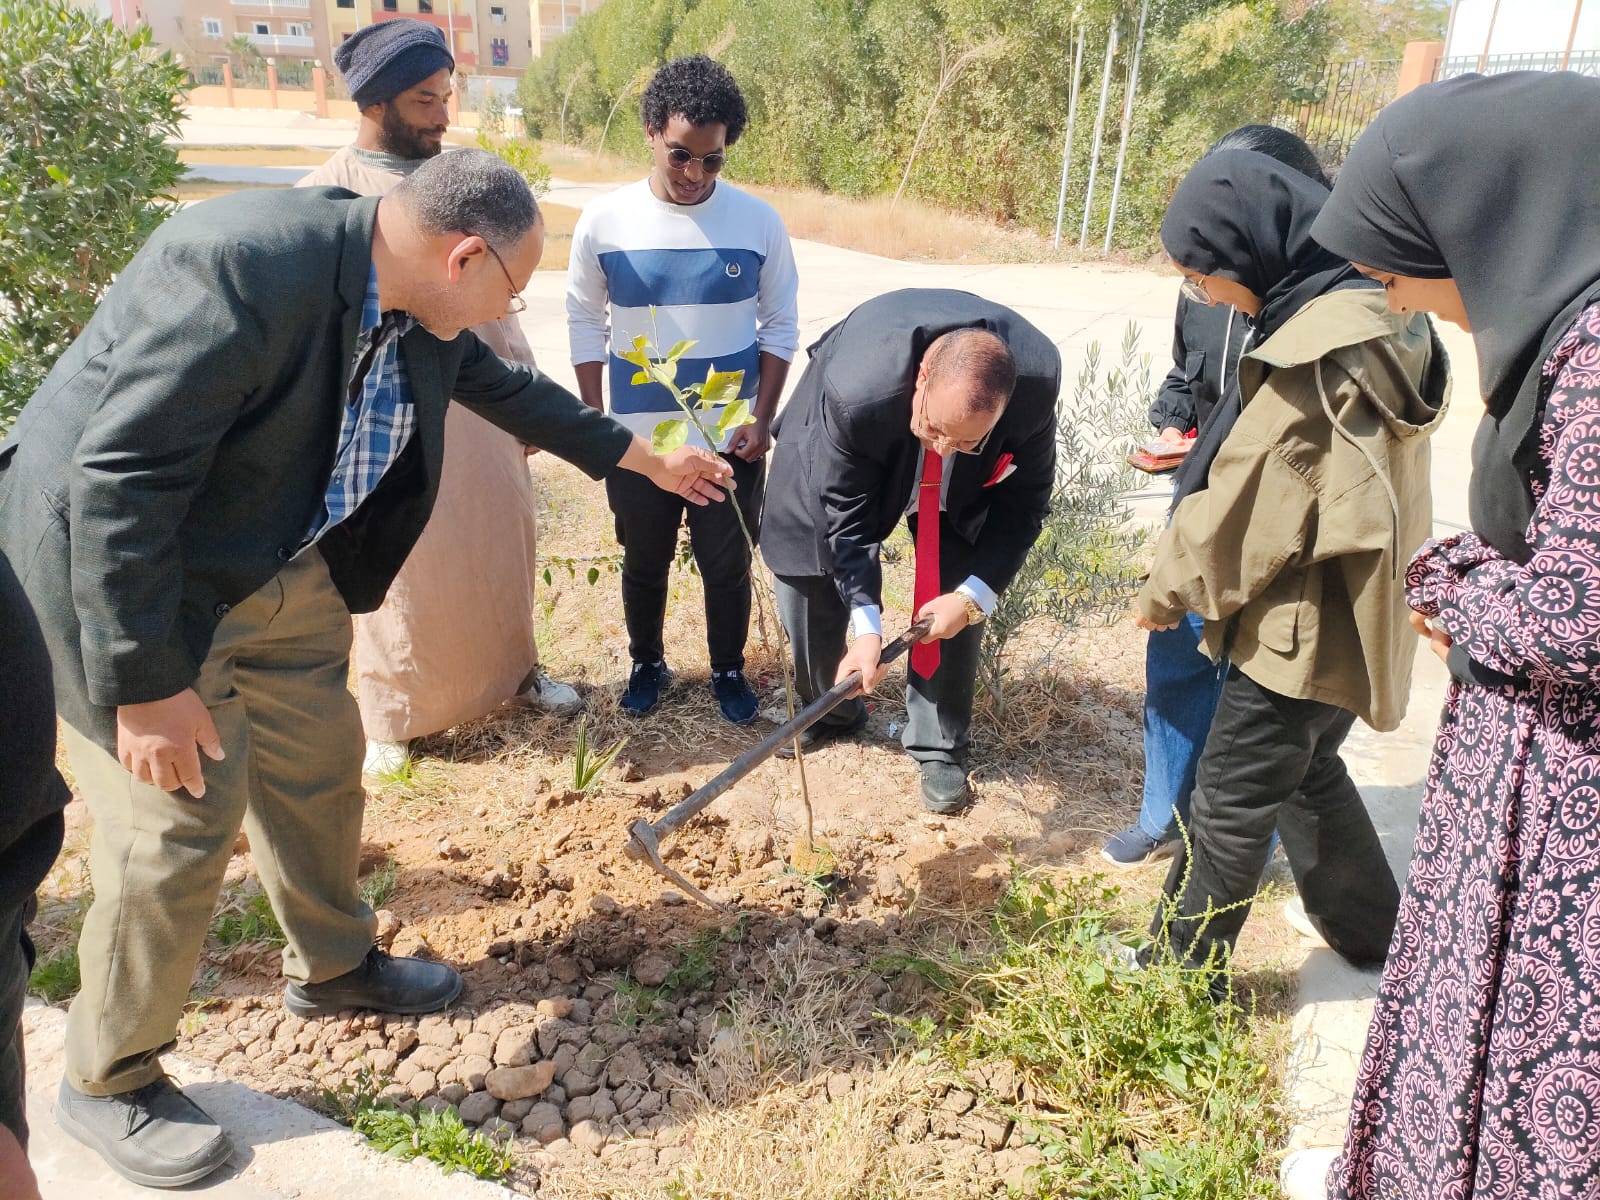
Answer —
(86, 173)
(523, 155)
(1085, 562)
(839, 90)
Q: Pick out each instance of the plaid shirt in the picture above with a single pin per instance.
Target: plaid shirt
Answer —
(378, 415)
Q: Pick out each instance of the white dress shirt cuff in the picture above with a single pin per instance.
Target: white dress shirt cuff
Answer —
(866, 619)
(980, 593)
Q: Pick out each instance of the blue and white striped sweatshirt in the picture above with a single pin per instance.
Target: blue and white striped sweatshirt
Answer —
(720, 273)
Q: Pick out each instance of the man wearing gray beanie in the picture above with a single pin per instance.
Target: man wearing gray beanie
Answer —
(398, 73)
(455, 638)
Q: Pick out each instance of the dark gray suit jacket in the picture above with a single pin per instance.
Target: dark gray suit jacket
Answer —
(845, 461)
(177, 454)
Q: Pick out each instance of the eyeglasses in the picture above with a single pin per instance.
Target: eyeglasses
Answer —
(975, 449)
(679, 158)
(944, 445)
(1195, 289)
(517, 303)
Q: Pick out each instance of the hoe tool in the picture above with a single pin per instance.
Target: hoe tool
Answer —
(645, 837)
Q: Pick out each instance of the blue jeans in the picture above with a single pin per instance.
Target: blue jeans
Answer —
(1181, 689)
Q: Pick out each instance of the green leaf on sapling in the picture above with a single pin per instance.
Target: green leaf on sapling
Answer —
(668, 436)
(721, 387)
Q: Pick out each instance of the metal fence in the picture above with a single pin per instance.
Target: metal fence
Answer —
(1584, 62)
(295, 77)
(1332, 109)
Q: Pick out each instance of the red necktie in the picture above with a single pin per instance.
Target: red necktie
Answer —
(925, 655)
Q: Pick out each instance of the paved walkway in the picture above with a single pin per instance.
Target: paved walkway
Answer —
(288, 1152)
(283, 1151)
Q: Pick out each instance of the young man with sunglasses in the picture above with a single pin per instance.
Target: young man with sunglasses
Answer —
(935, 406)
(682, 255)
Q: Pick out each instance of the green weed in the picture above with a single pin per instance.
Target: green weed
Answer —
(377, 889)
(696, 972)
(1144, 1088)
(440, 1137)
(244, 919)
(55, 976)
(402, 777)
(589, 765)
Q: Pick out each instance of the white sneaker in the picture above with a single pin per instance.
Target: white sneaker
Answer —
(546, 695)
(385, 758)
(1304, 1174)
(1294, 912)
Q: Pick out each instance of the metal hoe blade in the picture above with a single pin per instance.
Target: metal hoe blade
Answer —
(645, 837)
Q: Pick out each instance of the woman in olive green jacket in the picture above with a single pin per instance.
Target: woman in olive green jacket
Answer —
(1292, 554)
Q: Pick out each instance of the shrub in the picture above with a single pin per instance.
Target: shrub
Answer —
(524, 156)
(839, 90)
(1086, 559)
(86, 174)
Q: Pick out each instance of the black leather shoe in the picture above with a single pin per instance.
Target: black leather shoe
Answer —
(945, 789)
(381, 982)
(819, 735)
(154, 1135)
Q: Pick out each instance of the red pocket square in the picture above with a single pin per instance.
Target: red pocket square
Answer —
(1002, 468)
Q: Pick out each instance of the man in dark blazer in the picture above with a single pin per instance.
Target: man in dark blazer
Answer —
(909, 377)
(237, 452)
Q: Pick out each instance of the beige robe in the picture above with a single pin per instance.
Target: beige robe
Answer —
(454, 638)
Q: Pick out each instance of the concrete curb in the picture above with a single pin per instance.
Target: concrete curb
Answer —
(282, 1150)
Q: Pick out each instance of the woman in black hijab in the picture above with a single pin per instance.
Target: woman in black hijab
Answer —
(1479, 199)
(1198, 398)
(1292, 555)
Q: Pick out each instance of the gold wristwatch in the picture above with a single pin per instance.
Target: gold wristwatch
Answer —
(975, 614)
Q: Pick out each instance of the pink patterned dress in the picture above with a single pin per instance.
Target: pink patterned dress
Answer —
(1481, 1077)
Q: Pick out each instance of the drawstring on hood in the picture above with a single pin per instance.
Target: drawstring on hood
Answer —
(1383, 478)
(1409, 410)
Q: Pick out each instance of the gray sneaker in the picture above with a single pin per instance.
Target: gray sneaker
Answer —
(154, 1135)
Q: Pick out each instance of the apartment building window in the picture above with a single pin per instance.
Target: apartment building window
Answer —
(425, 6)
(497, 14)
(391, 5)
(344, 3)
(262, 29)
(499, 52)
(299, 30)
(213, 27)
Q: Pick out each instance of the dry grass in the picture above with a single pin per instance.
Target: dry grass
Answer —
(190, 190)
(765, 1125)
(911, 230)
(559, 221)
(255, 156)
(584, 166)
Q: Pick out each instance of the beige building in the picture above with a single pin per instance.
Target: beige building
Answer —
(493, 38)
(493, 41)
(290, 32)
(552, 18)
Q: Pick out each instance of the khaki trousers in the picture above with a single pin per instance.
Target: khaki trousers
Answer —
(276, 686)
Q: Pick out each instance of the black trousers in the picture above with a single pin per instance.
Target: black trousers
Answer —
(647, 521)
(938, 710)
(1272, 762)
(16, 962)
